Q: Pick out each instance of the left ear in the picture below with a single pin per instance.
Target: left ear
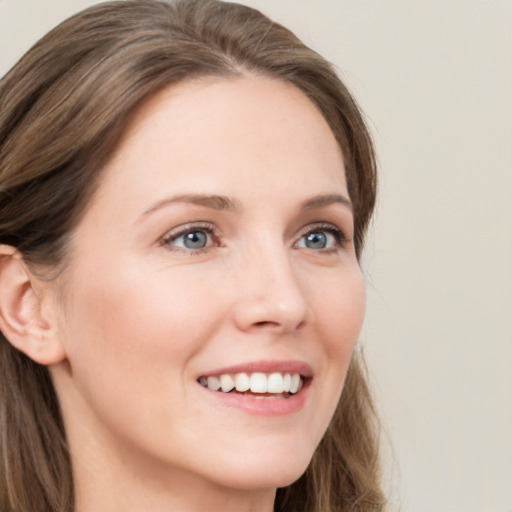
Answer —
(24, 321)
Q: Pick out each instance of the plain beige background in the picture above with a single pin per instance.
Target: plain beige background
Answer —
(435, 80)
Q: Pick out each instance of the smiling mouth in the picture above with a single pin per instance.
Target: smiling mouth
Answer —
(257, 384)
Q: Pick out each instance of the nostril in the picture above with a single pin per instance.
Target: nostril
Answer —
(265, 323)
(301, 325)
(276, 325)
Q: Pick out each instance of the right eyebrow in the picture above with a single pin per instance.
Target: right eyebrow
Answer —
(214, 202)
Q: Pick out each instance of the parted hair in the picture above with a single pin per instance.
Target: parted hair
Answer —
(63, 109)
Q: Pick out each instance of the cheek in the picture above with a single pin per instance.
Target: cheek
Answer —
(129, 318)
(340, 313)
(130, 337)
(339, 317)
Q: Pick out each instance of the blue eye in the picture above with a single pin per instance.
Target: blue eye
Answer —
(316, 240)
(194, 238)
(321, 238)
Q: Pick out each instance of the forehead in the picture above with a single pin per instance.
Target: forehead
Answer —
(250, 132)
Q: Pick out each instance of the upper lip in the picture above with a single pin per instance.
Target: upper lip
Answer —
(266, 366)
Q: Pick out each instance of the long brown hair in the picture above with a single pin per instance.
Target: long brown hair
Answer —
(63, 108)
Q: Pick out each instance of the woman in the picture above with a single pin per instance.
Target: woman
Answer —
(185, 190)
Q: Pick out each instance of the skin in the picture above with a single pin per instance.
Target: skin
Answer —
(139, 316)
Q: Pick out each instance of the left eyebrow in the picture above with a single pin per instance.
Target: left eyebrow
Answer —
(323, 200)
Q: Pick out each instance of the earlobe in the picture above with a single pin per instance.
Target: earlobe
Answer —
(21, 314)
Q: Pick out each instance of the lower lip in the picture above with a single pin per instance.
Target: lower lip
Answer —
(265, 406)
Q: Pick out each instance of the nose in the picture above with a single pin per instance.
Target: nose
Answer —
(269, 295)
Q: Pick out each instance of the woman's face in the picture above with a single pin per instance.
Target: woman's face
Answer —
(218, 247)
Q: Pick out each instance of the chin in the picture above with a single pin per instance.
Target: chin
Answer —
(259, 472)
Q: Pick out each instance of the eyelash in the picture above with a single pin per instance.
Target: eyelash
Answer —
(338, 235)
(204, 227)
(214, 235)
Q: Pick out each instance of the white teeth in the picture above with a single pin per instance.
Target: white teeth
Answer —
(295, 383)
(275, 383)
(242, 382)
(287, 380)
(258, 382)
(227, 383)
(213, 383)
